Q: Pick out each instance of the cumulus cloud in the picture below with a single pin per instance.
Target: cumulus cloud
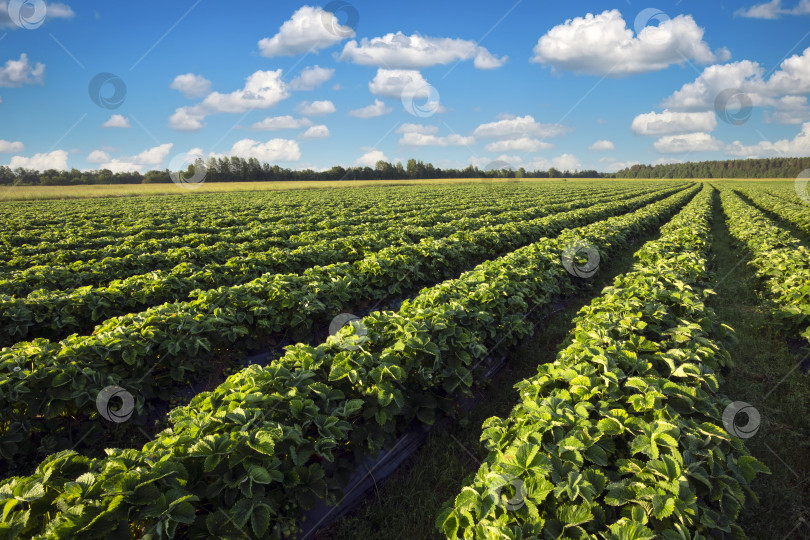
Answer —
(8, 147)
(20, 72)
(311, 78)
(52, 11)
(669, 122)
(791, 80)
(41, 162)
(116, 121)
(602, 145)
(417, 128)
(277, 123)
(518, 126)
(773, 10)
(98, 156)
(521, 144)
(687, 142)
(270, 151)
(391, 83)
(371, 111)
(309, 29)
(421, 139)
(370, 158)
(416, 51)
(799, 146)
(316, 132)
(262, 90)
(150, 157)
(603, 45)
(315, 108)
(565, 162)
(191, 85)
(614, 166)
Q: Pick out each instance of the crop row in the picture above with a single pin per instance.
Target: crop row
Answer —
(248, 457)
(58, 314)
(781, 262)
(119, 222)
(620, 437)
(238, 238)
(797, 215)
(50, 385)
(400, 229)
(317, 223)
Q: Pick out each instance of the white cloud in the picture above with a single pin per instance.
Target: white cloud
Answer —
(52, 11)
(521, 144)
(773, 10)
(150, 157)
(276, 123)
(370, 159)
(191, 85)
(309, 29)
(518, 126)
(119, 166)
(392, 82)
(270, 151)
(116, 121)
(371, 111)
(185, 120)
(315, 108)
(565, 162)
(20, 72)
(687, 142)
(8, 147)
(311, 78)
(602, 145)
(669, 122)
(98, 156)
(603, 45)
(799, 146)
(614, 166)
(262, 90)
(418, 128)
(316, 132)
(416, 51)
(791, 81)
(421, 139)
(41, 162)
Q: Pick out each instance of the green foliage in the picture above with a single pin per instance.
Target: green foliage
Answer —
(620, 437)
(263, 446)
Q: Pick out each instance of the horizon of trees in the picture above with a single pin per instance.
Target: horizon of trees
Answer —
(236, 169)
(735, 168)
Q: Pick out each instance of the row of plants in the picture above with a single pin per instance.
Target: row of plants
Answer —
(48, 389)
(621, 436)
(56, 314)
(318, 224)
(794, 214)
(195, 226)
(64, 277)
(33, 222)
(247, 458)
(780, 261)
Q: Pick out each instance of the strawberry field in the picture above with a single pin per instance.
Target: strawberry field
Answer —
(223, 365)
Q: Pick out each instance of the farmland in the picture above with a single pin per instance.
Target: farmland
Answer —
(602, 359)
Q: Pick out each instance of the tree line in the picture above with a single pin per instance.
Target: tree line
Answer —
(736, 168)
(236, 169)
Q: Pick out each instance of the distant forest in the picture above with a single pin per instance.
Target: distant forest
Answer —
(235, 169)
(737, 168)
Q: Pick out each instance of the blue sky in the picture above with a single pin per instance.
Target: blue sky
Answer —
(575, 85)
